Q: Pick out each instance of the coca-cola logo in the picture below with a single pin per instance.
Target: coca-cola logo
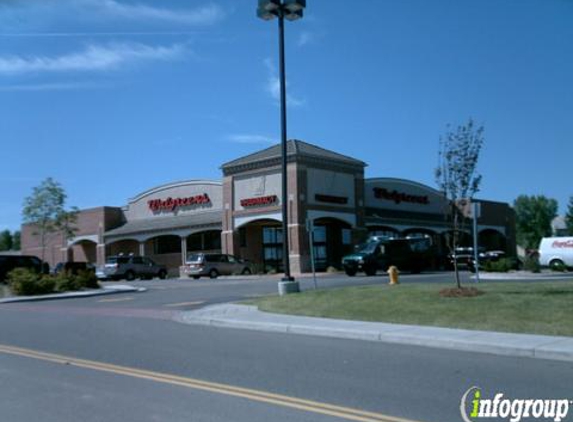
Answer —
(172, 204)
(398, 197)
(562, 244)
(259, 201)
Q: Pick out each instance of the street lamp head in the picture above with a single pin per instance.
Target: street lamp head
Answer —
(269, 5)
(294, 5)
(293, 16)
(265, 14)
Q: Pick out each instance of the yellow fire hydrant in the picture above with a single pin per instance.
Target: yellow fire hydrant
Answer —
(394, 274)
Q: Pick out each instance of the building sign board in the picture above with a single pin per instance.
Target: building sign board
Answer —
(398, 196)
(331, 199)
(403, 195)
(330, 186)
(172, 204)
(260, 201)
(176, 199)
(257, 191)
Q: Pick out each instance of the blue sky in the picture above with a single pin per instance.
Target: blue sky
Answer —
(112, 97)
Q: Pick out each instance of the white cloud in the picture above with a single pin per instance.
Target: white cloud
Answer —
(305, 38)
(251, 139)
(273, 86)
(204, 15)
(93, 58)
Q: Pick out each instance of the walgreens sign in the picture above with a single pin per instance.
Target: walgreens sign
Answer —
(398, 197)
(172, 204)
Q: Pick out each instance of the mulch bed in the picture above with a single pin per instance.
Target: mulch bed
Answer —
(461, 292)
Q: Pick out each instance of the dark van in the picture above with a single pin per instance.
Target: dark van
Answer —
(380, 253)
(9, 262)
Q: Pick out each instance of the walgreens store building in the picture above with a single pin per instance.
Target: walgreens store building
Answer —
(241, 215)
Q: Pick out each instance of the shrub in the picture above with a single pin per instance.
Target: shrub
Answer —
(332, 270)
(501, 266)
(531, 263)
(87, 279)
(65, 283)
(25, 282)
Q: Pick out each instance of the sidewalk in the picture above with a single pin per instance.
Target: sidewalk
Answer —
(250, 318)
(106, 290)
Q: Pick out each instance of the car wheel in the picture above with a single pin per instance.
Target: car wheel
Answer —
(246, 271)
(162, 274)
(130, 276)
(556, 264)
(350, 272)
(213, 273)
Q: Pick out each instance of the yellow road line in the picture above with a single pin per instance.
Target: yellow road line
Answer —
(175, 305)
(229, 390)
(120, 299)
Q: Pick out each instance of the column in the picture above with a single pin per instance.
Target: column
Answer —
(183, 249)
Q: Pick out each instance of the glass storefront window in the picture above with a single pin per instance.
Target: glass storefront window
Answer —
(319, 234)
(346, 236)
(272, 248)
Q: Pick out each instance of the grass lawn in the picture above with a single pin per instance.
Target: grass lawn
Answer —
(519, 307)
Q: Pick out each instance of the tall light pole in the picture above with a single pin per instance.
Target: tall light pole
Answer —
(290, 10)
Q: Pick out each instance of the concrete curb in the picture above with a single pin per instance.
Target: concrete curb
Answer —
(505, 344)
(524, 276)
(106, 290)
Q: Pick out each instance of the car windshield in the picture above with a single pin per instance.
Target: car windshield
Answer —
(369, 247)
(194, 258)
(116, 260)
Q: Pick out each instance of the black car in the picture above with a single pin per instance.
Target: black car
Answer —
(10, 262)
(380, 254)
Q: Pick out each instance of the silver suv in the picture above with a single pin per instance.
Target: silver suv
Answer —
(214, 265)
(130, 268)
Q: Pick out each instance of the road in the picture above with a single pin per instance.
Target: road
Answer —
(123, 358)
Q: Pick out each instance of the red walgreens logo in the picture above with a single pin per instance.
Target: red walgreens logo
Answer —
(260, 201)
(171, 204)
(562, 244)
(398, 197)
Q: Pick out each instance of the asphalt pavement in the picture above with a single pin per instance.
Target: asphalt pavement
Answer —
(124, 358)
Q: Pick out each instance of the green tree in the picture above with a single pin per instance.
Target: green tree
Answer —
(457, 176)
(569, 217)
(45, 209)
(6, 241)
(16, 240)
(534, 215)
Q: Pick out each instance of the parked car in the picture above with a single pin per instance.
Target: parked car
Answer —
(214, 265)
(493, 256)
(380, 254)
(10, 262)
(73, 267)
(130, 267)
(463, 256)
(556, 252)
